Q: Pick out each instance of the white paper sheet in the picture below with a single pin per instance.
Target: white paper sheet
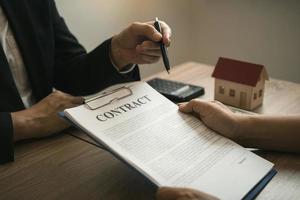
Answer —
(169, 147)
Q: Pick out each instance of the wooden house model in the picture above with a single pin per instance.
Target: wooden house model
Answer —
(239, 84)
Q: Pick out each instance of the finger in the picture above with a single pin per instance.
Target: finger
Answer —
(182, 104)
(77, 100)
(167, 42)
(149, 59)
(166, 32)
(167, 193)
(149, 45)
(194, 105)
(156, 53)
(146, 30)
(74, 100)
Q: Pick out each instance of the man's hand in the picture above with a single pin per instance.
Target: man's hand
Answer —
(166, 193)
(215, 115)
(42, 118)
(138, 44)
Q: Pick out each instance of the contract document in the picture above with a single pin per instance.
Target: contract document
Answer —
(146, 130)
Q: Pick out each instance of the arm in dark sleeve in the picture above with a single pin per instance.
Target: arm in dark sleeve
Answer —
(6, 138)
(81, 73)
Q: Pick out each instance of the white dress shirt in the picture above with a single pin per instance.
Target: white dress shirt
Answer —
(15, 61)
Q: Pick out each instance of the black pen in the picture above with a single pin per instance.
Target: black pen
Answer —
(162, 47)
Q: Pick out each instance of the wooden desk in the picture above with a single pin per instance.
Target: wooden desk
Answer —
(62, 167)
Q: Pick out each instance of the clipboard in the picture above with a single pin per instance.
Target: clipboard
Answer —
(108, 97)
(251, 195)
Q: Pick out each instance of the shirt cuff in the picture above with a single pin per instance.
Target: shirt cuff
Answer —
(124, 70)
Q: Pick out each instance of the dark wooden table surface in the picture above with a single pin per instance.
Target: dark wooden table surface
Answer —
(63, 167)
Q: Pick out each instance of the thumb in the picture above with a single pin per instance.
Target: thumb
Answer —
(146, 30)
(193, 106)
(77, 100)
(167, 193)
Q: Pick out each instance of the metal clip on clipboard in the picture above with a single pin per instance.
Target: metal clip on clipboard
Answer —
(108, 97)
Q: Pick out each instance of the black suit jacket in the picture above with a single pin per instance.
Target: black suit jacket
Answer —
(53, 58)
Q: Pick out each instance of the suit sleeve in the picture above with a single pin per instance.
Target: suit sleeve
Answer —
(6, 138)
(81, 73)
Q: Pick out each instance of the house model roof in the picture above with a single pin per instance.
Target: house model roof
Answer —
(239, 71)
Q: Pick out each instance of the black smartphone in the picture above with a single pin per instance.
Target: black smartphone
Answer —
(176, 91)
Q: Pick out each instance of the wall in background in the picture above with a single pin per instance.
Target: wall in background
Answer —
(265, 32)
(93, 21)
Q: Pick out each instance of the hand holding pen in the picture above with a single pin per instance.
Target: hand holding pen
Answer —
(139, 43)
